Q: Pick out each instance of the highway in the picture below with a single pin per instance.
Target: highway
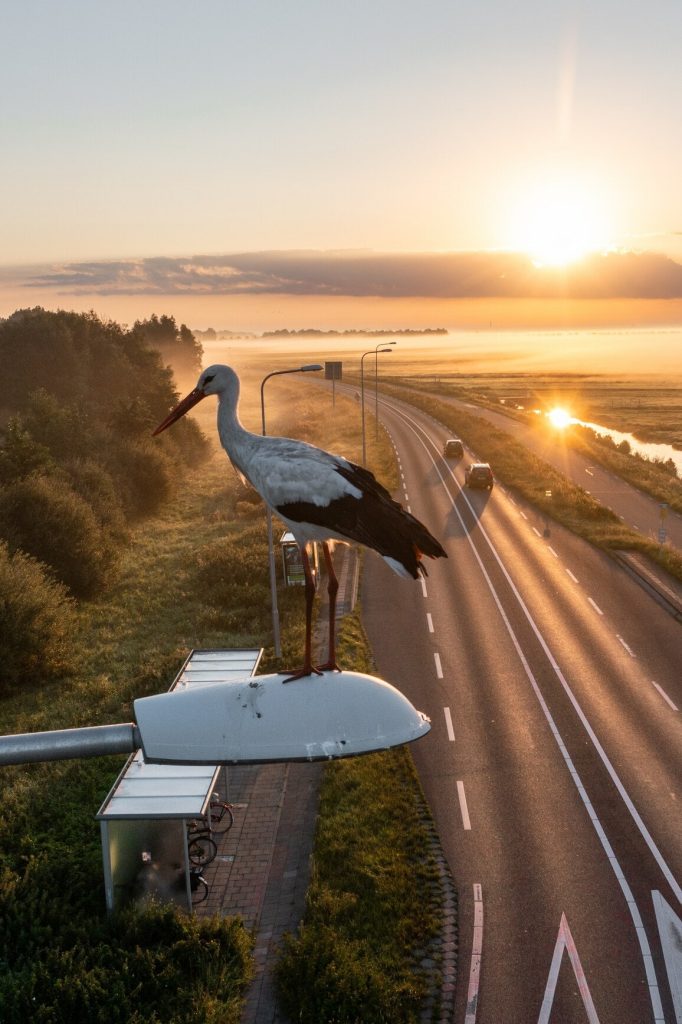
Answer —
(554, 763)
(634, 507)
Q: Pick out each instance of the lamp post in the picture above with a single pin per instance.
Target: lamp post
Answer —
(271, 548)
(374, 352)
(376, 389)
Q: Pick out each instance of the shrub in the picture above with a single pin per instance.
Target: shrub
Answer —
(95, 485)
(156, 965)
(47, 519)
(143, 475)
(21, 455)
(36, 619)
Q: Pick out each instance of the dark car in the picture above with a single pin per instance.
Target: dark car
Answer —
(479, 474)
(453, 448)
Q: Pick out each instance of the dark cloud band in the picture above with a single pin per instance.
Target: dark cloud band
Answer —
(387, 275)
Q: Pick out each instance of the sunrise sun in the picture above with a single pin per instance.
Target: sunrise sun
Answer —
(559, 418)
(558, 223)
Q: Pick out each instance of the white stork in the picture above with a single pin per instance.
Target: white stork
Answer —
(317, 495)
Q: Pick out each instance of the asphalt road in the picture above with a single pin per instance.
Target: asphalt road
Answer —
(634, 507)
(554, 763)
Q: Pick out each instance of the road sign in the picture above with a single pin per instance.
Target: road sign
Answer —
(333, 370)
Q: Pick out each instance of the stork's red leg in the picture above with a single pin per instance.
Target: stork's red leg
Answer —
(307, 669)
(332, 590)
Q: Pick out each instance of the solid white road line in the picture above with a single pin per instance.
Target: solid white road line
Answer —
(574, 578)
(595, 606)
(665, 696)
(429, 622)
(439, 667)
(448, 724)
(466, 820)
(476, 953)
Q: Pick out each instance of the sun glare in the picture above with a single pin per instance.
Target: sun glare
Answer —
(559, 223)
(559, 418)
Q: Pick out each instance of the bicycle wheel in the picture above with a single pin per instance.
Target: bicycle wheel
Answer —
(201, 849)
(220, 817)
(199, 887)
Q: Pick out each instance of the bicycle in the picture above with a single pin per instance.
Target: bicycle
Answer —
(198, 886)
(220, 816)
(201, 849)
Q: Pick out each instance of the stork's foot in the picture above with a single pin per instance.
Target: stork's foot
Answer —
(329, 666)
(301, 673)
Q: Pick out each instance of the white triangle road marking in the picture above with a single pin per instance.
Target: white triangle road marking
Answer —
(564, 941)
(670, 930)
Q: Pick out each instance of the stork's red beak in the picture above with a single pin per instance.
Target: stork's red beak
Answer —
(180, 409)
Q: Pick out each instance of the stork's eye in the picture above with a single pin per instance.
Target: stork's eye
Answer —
(207, 380)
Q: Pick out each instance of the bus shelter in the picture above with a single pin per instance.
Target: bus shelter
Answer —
(292, 563)
(146, 815)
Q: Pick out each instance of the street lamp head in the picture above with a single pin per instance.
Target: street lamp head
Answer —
(385, 350)
(310, 366)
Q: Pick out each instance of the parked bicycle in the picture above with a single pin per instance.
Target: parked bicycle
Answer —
(220, 815)
(201, 848)
(198, 885)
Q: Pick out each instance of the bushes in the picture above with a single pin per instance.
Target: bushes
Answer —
(143, 474)
(155, 965)
(36, 618)
(46, 518)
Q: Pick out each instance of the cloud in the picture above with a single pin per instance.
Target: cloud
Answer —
(643, 275)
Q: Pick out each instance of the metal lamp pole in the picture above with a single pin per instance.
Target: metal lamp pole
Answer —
(372, 351)
(271, 548)
(376, 389)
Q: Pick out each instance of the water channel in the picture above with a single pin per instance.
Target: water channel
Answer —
(649, 450)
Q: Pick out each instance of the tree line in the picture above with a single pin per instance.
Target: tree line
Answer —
(80, 397)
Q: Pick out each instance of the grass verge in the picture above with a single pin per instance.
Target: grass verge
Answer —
(364, 950)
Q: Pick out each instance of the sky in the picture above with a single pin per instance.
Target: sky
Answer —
(231, 157)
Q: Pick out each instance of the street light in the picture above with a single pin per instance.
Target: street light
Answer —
(376, 390)
(271, 549)
(243, 721)
(372, 351)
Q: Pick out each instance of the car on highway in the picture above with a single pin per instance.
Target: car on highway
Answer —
(453, 448)
(479, 474)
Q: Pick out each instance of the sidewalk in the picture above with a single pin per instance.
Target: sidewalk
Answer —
(262, 868)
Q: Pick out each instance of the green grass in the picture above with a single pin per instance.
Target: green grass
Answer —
(154, 966)
(373, 906)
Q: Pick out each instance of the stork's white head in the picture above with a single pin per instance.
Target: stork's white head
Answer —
(215, 380)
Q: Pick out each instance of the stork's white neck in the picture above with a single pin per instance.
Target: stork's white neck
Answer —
(235, 439)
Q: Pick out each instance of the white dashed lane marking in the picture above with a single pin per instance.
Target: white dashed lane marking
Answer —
(466, 820)
(664, 695)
